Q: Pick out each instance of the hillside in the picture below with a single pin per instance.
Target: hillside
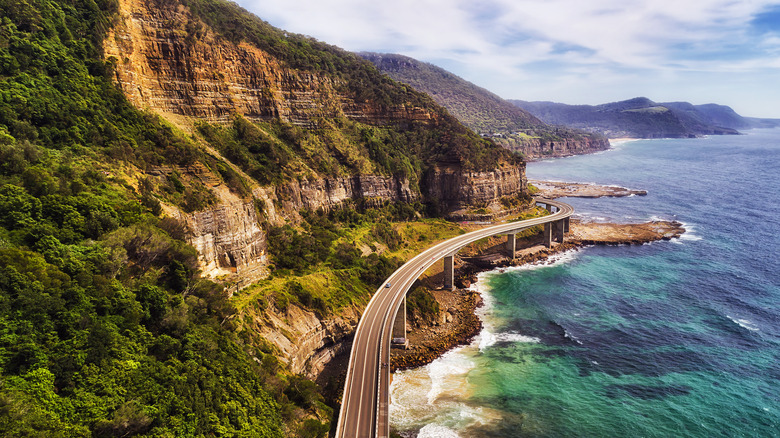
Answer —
(641, 118)
(485, 112)
(159, 157)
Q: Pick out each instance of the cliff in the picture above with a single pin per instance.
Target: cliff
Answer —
(290, 124)
(536, 148)
(169, 61)
(306, 342)
(455, 188)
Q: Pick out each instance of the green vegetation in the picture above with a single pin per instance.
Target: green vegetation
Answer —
(106, 328)
(420, 301)
(476, 107)
(332, 260)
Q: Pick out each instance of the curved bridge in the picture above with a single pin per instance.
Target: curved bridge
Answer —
(364, 406)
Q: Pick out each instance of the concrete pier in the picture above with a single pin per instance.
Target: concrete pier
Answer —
(399, 328)
(560, 229)
(511, 245)
(547, 236)
(449, 272)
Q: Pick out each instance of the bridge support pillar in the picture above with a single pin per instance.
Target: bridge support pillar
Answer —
(511, 245)
(560, 229)
(449, 272)
(549, 207)
(399, 328)
(566, 225)
(547, 234)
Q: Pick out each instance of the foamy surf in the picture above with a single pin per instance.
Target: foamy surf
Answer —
(689, 235)
(488, 339)
(434, 397)
(437, 431)
(451, 366)
(744, 323)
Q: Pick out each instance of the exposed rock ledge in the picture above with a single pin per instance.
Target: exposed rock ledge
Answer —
(557, 189)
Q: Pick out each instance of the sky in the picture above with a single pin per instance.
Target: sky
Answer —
(569, 51)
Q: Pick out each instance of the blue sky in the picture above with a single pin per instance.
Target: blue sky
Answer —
(571, 51)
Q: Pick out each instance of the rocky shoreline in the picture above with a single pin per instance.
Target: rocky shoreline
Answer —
(558, 189)
(458, 324)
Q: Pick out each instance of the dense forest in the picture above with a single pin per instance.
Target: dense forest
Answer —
(105, 327)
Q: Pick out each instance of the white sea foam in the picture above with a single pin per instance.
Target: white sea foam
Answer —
(571, 336)
(441, 371)
(690, 232)
(689, 235)
(615, 142)
(590, 217)
(744, 323)
(488, 339)
(437, 431)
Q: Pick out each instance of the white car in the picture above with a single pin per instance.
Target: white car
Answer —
(388, 285)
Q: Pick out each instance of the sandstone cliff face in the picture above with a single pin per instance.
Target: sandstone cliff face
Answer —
(535, 148)
(228, 239)
(169, 61)
(455, 188)
(307, 343)
(228, 236)
(328, 193)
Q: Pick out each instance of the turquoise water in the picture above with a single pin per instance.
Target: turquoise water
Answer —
(677, 338)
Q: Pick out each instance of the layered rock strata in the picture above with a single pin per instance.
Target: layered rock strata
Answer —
(169, 61)
(535, 148)
(306, 342)
(455, 188)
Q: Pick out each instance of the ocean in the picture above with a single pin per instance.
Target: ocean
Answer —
(671, 339)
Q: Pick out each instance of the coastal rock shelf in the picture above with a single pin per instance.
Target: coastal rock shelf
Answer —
(556, 189)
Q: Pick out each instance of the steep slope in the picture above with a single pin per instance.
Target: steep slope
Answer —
(639, 117)
(106, 328)
(485, 112)
(308, 124)
(719, 115)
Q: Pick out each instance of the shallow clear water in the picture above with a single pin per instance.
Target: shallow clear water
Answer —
(677, 338)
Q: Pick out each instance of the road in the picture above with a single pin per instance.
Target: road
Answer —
(364, 406)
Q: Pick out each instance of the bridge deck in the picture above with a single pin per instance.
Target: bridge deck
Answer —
(364, 407)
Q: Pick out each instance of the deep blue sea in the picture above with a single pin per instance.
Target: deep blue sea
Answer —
(672, 339)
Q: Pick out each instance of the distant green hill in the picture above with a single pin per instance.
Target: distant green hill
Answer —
(485, 112)
(642, 118)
